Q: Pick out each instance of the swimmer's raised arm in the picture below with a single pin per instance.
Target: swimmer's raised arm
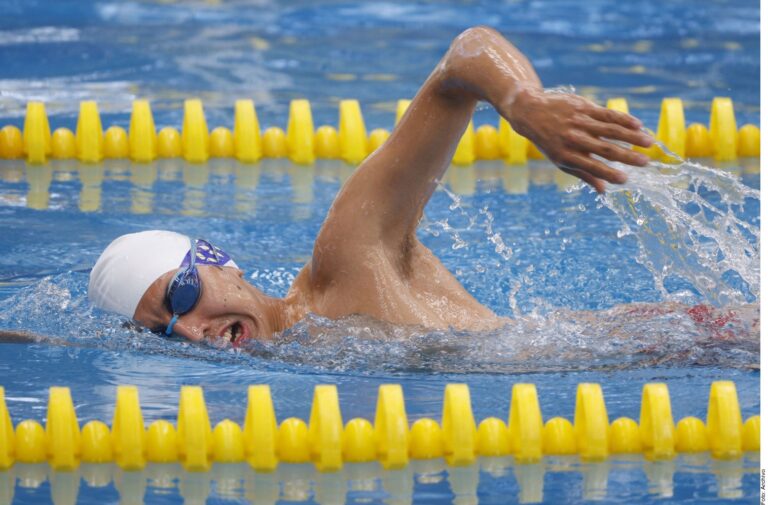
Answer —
(382, 202)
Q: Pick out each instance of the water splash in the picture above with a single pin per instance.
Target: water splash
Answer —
(482, 218)
(55, 311)
(685, 218)
(628, 336)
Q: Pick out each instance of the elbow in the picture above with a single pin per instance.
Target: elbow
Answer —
(473, 42)
(466, 49)
(482, 65)
(475, 33)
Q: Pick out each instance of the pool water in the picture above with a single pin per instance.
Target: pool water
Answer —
(523, 239)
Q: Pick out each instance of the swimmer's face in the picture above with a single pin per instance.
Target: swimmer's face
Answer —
(228, 307)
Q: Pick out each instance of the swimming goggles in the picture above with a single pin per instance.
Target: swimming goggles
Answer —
(185, 287)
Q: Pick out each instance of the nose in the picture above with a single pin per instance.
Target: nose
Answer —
(189, 328)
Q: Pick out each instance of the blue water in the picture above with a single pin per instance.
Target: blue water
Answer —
(378, 52)
(564, 273)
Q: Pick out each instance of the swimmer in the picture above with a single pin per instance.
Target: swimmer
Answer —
(367, 258)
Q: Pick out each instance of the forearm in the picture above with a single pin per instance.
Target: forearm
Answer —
(572, 131)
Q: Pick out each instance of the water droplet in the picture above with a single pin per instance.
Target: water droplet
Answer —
(623, 232)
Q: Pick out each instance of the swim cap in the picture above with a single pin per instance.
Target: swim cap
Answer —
(132, 262)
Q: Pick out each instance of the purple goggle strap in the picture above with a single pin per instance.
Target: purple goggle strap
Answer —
(208, 254)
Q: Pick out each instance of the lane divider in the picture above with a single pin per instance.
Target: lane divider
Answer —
(351, 142)
(725, 480)
(328, 443)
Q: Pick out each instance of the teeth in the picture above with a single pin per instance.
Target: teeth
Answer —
(232, 332)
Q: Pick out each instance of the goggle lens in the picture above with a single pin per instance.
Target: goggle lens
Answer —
(184, 291)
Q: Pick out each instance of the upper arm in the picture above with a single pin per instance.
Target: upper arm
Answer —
(383, 200)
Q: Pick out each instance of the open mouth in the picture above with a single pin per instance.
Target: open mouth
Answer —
(235, 333)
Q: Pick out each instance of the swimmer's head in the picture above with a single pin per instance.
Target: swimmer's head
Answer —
(131, 263)
(132, 275)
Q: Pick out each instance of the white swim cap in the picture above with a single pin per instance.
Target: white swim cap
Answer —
(130, 264)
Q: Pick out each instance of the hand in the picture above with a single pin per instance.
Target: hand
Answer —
(569, 128)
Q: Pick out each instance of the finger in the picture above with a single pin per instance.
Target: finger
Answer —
(608, 150)
(617, 132)
(585, 163)
(614, 116)
(589, 179)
